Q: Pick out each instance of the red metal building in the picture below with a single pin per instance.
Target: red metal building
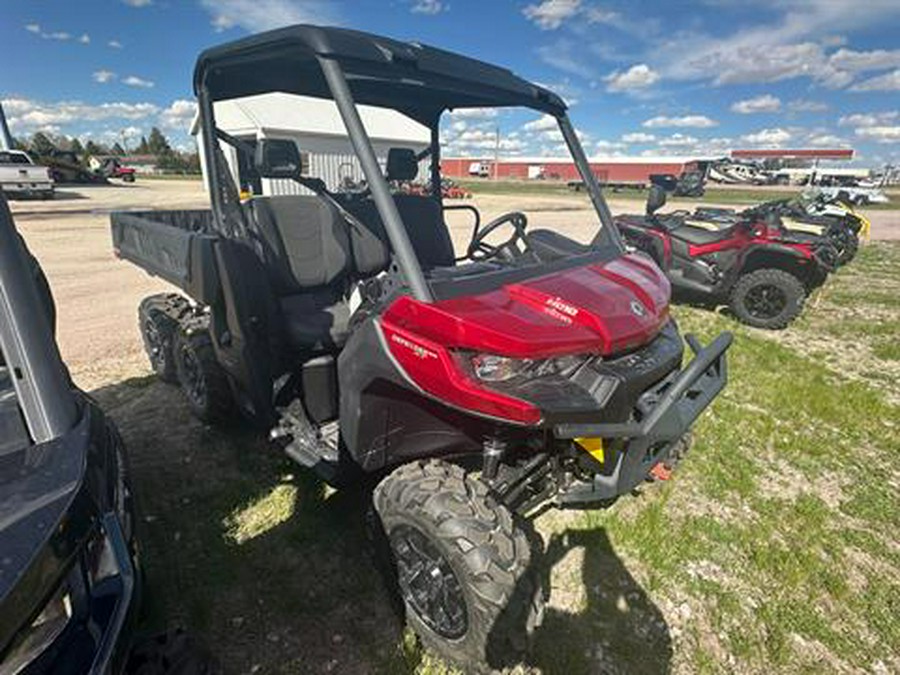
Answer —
(613, 170)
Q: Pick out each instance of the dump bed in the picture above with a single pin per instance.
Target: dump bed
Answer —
(173, 245)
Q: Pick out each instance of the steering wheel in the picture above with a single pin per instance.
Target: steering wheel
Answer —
(480, 250)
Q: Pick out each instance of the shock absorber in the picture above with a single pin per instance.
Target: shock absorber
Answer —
(494, 449)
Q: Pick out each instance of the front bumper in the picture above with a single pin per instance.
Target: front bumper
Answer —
(666, 412)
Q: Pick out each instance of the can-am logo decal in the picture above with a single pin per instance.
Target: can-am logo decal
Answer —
(418, 350)
(560, 306)
(637, 308)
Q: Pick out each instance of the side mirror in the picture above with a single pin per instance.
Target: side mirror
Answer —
(656, 199)
(278, 158)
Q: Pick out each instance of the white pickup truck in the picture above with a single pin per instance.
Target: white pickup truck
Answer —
(19, 176)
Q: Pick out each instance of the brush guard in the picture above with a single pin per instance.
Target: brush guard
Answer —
(665, 413)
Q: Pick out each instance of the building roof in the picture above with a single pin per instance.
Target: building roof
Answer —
(415, 79)
(279, 113)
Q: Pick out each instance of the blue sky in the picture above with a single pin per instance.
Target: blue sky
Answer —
(671, 77)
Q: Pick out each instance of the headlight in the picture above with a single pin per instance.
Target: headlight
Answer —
(494, 368)
(49, 624)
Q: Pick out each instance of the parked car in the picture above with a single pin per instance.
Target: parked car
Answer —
(21, 177)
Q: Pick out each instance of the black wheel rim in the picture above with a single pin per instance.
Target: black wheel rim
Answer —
(765, 301)
(428, 583)
(155, 346)
(192, 377)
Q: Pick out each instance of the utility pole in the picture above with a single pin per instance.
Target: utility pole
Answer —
(497, 152)
(5, 137)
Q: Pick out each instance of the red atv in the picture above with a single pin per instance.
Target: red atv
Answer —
(761, 271)
(473, 391)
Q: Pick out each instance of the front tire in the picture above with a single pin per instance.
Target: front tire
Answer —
(465, 568)
(203, 381)
(768, 298)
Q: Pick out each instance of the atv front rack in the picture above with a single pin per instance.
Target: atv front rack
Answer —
(665, 414)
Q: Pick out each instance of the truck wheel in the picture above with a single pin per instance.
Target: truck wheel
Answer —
(464, 566)
(128, 178)
(768, 298)
(158, 317)
(202, 380)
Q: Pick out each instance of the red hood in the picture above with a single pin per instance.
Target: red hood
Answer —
(604, 308)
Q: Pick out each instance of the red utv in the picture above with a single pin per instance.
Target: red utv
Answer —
(474, 391)
(749, 262)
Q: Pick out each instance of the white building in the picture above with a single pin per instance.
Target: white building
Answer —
(315, 125)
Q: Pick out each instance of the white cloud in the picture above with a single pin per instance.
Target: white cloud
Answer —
(542, 124)
(880, 134)
(103, 76)
(868, 119)
(639, 76)
(638, 137)
(854, 61)
(803, 105)
(178, 115)
(887, 82)
(259, 15)
(771, 137)
(135, 81)
(474, 113)
(826, 141)
(138, 3)
(678, 141)
(609, 146)
(28, 115)
(429, 7)
(550, 14)
(693, 121)
(760, 104)
(33, 28)
(788, 45)
(115, 44)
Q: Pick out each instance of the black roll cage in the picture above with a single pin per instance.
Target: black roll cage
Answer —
(349, 67)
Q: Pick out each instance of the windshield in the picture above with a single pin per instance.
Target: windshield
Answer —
(503, 160)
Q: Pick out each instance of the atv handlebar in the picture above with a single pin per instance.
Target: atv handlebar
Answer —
(667, 412)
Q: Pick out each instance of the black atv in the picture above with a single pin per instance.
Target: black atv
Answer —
(473, 392)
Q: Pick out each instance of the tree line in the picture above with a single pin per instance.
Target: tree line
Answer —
(168, 159)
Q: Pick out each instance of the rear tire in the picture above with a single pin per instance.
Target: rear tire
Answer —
(158, 319)
(203, 381)
(465, 568)
(768, 298)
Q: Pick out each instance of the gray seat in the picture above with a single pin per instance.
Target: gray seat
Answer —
(306, 249)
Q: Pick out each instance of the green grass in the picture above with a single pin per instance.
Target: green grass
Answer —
(775, 548)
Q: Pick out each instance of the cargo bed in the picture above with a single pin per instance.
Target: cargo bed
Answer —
(173, 245)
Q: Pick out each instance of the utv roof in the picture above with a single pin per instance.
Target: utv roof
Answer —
(414, 79)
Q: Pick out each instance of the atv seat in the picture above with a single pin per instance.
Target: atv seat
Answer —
(701, 233)
(305, 247)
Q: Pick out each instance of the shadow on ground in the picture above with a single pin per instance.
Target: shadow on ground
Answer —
(274, 572)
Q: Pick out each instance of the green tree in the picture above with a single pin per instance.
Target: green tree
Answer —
(157, 144)
(117, 150)
(76, 147)
(41, 145)
(142, 148)
(94, 148)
